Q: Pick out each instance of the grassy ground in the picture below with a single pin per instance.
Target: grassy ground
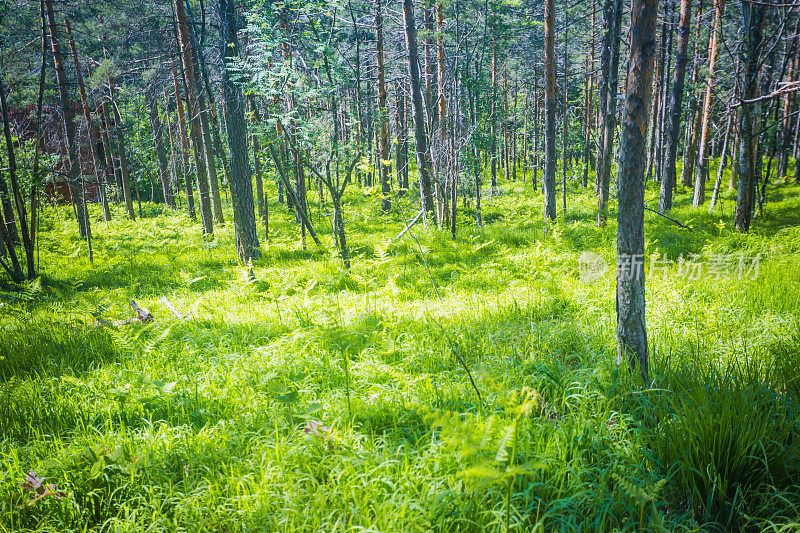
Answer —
(210, 423)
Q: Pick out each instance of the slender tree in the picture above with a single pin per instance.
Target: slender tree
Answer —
(631, 326)
(549, 178)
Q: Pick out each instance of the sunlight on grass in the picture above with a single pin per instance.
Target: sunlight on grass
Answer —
(198, 424)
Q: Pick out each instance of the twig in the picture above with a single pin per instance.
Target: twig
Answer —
(668, 218)
(408, 227)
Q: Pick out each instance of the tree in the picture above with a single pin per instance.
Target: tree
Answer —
(752, 19)
(241, 182)
(675, 105)
(609, 66)
(424, 163)
(631, 325)
(549, 179)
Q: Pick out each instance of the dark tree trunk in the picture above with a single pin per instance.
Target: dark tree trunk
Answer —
(384, 167)
(675, 106)
(423, 154)
(15, 187)
(161, 154)
(75, 183)
(631, 327)
(241, 183)
(612, 20)
(753, 16)
(701, 174)
(549, 178)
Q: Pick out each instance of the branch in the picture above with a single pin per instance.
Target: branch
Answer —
(668, 218)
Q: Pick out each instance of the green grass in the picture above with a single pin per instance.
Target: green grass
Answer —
(198, 425)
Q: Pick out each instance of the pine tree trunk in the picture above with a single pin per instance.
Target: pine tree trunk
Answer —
(383, 115)
(423, 154)
(195, 105)
(675, 107)
(722, 163)
(15, 187)
(241, 183)
(549, 178)
(161, 154)
(753, 16)
(612, 20)
(184, 137)
(75, 183)
(88, 117)
(701, 174)
(693, 114)
(123, 158)
(631, 326)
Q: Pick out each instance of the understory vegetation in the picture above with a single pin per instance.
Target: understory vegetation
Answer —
(296, 395)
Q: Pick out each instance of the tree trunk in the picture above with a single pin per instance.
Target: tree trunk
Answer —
(123, 158)
(75, 183)
(383, 115)
(753, 16)
(722, 163)
(631, 326)
(88, 117)
(423, 154)
(195, 105)
(549, 178)
(241, 183)
(15, 188)
(609, 59)
(675, 107)
(701, 174)
(693, 122)
(161, 154)
(184, 137)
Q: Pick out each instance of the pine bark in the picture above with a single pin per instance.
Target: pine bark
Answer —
(383, 115)
(73, 177)
(753, 17)
(701, 173)
(631, 326)
(241, 182)
(549, 178)
(423, 153)
(675, 106)
(609, 60)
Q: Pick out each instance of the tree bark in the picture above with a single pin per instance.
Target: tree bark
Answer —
(241, 183)
(701, 174)
(549, 178)
(15, 187)
(753, 16)
(631, 326)
(424, 163)
(675, 106)
(75, 184)
(184, 137)
(383, 115)
(161, 154)
(88, 117)
(195, 106)
(609, 59)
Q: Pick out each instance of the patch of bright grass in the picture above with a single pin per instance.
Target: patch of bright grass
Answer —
(210, 423)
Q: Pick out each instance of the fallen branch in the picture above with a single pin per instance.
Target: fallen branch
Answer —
(668, 218)
(143, 315)
(410, 224)
(172, 309)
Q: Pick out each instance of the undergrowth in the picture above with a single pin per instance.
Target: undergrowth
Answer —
(296, 396)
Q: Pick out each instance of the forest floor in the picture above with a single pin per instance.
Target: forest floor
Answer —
(298, 396)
